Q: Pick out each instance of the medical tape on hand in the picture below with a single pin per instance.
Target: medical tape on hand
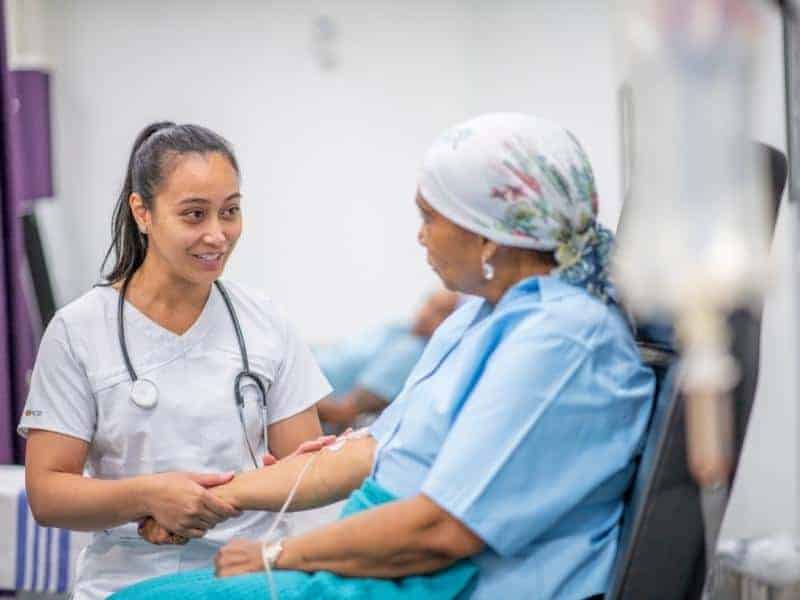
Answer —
(342, 439)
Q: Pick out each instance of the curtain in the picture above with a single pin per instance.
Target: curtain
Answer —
(17, 339)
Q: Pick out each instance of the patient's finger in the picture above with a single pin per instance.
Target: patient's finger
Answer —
(217, 509)
(238, 557)
(308, 446)
(152, 532)
(190, 532)
(177, 540)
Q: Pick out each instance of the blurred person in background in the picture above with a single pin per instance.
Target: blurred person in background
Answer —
(368, 371)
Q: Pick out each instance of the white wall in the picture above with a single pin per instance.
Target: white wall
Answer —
(329, 159)
(553, 59)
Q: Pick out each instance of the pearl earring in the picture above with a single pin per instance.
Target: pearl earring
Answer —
(488, 270)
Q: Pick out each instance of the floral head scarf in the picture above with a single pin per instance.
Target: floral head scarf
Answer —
(522, 181)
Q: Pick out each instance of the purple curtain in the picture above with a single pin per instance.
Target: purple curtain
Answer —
(17, 339)
(31, 114)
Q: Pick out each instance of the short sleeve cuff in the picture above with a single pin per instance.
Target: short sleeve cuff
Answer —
(319, 390)
(28, 423)
(485, 527)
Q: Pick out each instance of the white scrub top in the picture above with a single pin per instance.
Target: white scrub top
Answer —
(81, 388)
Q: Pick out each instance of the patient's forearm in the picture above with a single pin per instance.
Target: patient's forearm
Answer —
(405, 537)
(331, 477)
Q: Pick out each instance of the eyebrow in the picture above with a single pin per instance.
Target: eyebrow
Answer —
(198, 200)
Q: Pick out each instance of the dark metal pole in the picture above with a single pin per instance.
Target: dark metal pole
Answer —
(791, 62)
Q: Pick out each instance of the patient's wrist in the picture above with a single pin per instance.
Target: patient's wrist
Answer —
(271, 552)
(287, 558)
(227, 493)
(245, 492)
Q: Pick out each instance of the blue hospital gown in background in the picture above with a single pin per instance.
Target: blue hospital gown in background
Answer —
(378, 360)
(524, 422)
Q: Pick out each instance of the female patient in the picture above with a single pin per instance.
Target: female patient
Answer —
(500, 469)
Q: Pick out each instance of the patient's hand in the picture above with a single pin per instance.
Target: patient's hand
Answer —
(304, 448)
(154, 533)
(238, 557)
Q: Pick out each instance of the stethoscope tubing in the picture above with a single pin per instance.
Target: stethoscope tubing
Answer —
(236, 327)
(121, 329)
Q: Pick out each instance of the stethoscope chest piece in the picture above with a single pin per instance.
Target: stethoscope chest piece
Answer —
(144, 393)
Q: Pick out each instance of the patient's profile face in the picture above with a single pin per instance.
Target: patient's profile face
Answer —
(453, 252)
(195, 219)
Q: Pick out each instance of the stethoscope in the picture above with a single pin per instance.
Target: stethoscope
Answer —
(144, 393)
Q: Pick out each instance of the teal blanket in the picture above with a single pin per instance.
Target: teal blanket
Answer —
(453, 582)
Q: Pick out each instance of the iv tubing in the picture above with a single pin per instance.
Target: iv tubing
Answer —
(335, 447)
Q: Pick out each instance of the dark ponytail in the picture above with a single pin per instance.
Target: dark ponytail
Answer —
(153, 154)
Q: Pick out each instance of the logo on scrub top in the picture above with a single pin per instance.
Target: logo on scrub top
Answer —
(33, 413)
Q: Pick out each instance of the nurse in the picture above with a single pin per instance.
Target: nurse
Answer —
(132, 411)
(500, 470)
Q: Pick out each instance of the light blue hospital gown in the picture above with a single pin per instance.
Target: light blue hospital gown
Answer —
(378, 360)
(524, 423)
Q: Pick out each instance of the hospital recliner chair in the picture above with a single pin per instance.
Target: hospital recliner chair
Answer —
(662, 546)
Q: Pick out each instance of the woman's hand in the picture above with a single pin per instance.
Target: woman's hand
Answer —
(154, 533)
(304, 448)
(237, 558)
(151, 529)
(181, 503)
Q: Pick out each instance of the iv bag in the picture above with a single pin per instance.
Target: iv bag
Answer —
(694, 226)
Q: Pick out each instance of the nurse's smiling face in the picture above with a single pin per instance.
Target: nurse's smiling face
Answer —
(195, 219)
(453, 252)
